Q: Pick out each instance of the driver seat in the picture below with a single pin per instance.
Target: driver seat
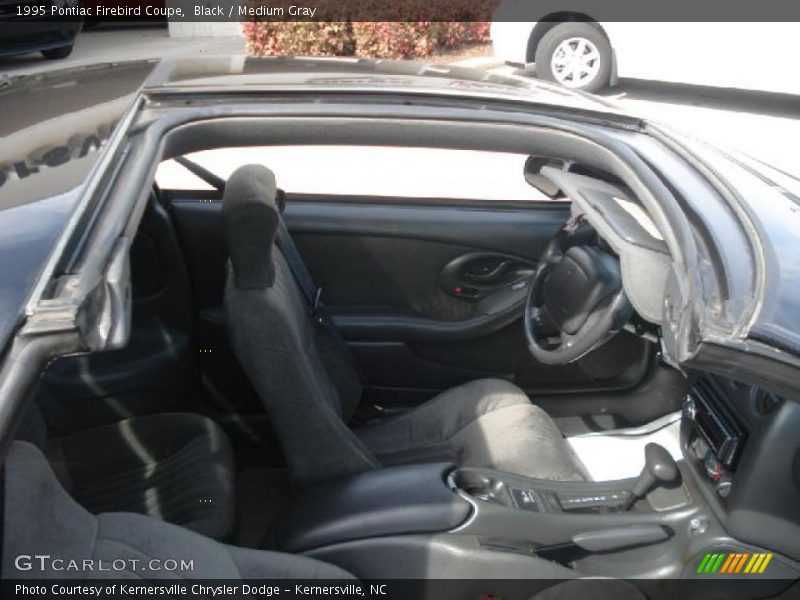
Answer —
(310, 385)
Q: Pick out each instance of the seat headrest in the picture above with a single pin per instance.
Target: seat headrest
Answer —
(251, 215)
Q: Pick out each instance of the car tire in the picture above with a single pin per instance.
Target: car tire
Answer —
(575, 55)
(57, 53)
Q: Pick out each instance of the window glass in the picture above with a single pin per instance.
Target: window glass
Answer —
(369, 171)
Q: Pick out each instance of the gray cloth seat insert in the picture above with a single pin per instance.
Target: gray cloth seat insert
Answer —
(487, 423)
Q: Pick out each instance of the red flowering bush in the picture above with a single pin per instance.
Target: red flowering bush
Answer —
(302, 38)
(478, 31)
(407, 29)
(396, 39)
(377, 39)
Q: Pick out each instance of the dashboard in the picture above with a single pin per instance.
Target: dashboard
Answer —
(713, 436)
(743, 443)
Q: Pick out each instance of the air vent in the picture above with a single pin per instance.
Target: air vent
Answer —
(763, 402)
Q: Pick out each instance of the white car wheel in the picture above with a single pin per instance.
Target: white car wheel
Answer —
(576, 55)
(575, 62)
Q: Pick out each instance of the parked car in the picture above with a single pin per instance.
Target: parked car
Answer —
(29, 27)
(579, 52)
(330, 318)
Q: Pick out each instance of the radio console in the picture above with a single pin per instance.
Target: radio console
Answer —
(712, 436)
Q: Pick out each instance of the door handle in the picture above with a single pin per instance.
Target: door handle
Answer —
(488, 274)
(476, 275)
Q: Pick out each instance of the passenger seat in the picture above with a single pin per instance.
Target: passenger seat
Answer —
(41, 519)
(177, 467)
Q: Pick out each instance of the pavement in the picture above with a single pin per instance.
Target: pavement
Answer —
(763, 125)
(124, 42)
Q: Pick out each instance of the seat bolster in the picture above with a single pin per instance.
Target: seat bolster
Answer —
(40, 517)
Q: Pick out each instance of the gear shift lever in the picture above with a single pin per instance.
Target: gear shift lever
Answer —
(659, 466)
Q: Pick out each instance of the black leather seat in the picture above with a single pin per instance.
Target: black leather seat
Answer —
(311, 389)
(176, 467)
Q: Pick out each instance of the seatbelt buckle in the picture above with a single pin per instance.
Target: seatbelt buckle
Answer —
(317, 305)
(367, 414)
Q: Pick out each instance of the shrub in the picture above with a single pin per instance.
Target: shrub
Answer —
(287, 38)
(413, 28)
(396, 39)
(478, 31)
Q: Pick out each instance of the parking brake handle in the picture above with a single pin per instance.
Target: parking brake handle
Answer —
(605, 540)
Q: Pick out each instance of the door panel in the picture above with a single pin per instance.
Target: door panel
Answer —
(329, 234)
(522, 228)
(388, 270)
(391, 288)
(403, 264)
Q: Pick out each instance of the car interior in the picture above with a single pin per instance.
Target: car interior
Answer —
(404, 386)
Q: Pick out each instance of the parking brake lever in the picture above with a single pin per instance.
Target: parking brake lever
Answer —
(604, 540)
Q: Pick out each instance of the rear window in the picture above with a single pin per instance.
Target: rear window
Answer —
(372, 171)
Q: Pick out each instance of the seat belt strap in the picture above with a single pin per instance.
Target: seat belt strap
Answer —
(297, 266)
(313, 294)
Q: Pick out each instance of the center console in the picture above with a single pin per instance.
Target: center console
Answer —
(481, 516)
(420, 521)
(390, 501)
(540, 497)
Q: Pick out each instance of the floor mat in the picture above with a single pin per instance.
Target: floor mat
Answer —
(619, 454)
(571, 426)
(262, 495)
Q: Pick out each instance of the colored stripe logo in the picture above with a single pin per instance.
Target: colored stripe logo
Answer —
(731, 563)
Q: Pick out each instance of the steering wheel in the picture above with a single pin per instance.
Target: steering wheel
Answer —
(576, 301)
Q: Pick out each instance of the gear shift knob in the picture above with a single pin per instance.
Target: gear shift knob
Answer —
(659, 467)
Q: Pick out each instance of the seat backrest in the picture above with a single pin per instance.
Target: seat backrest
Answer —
(308, 386)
